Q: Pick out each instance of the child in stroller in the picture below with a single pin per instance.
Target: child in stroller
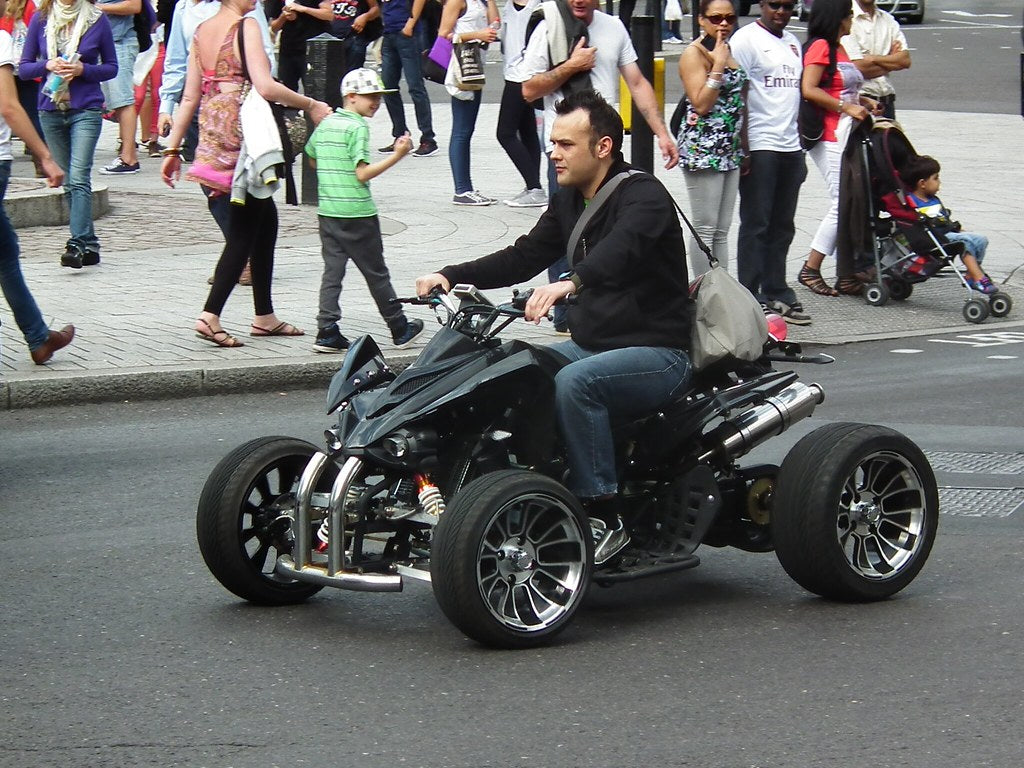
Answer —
(921, 176)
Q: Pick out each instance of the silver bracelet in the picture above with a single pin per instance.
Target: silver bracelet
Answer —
(714, 85)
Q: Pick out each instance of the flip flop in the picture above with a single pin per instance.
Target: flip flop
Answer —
(221, 338)
(281, 329)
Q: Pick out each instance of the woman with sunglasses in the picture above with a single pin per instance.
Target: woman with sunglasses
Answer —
(711, 145)
(832, 83)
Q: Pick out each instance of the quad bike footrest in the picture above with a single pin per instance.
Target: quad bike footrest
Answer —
(636, 564)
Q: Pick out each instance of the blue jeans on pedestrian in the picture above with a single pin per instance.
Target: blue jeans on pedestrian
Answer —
(12, 282)
(768, 198)
(71, 137)
(464, 112)
(598, 389)
(399, 55)
(975, 244)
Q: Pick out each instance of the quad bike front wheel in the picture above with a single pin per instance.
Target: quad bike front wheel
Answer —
(855, 512)
(511, 559)
(244, 519)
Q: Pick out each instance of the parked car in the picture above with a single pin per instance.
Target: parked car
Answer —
(909, 11)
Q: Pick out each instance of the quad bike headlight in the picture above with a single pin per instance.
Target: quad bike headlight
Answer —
(396, 446)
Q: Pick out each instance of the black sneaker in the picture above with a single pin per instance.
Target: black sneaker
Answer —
(388, 149)
(72, 257)
(425, 149)
(793, 314)
(413, 328)
(330, 341)
(120, 168)
(90, 258)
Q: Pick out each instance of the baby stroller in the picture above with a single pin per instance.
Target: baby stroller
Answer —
(905, 247)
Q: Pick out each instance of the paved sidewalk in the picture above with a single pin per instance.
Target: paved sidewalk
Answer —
(134, 312)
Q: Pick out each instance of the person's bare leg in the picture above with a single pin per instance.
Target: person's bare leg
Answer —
(126, 118)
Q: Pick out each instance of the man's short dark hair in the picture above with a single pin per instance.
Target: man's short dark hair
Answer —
(917, 168)
(604, 120)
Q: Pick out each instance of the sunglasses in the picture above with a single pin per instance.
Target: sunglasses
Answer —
(776, 6)
(717, 18)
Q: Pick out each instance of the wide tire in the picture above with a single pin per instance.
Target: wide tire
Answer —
(241, 521)
(855, 512)
(511, 559)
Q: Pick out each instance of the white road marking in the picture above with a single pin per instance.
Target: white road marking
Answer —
(1002, 357)
(905, 351)
(993, 339)
(979, 15)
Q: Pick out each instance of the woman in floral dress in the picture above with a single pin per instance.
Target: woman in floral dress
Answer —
(711, 145)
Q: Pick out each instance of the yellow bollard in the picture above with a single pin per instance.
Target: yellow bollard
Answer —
(626, 100)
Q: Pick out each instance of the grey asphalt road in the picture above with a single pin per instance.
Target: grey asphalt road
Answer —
(119, 649)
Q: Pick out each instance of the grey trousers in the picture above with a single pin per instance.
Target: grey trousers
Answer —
(712, 200)
(360, 241)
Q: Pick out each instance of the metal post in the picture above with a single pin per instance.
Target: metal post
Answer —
(325, 61)
(642, 139)
(655, 9)
(695, 17)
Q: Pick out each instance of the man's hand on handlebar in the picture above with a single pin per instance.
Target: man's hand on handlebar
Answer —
(544, 298)
(427, 283)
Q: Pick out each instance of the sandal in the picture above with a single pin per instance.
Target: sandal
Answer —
(811, 278)
(849, 286)
(281, 329)
(221, 338)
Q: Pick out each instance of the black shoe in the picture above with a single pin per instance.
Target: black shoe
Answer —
(425, 149)
(413, 328)
(72, 257)
(90, 259)
(608, 541)
(388, 149)
(329, 340)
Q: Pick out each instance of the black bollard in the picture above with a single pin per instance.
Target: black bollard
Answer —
(656, 9)
(642, 139)
(325, 60)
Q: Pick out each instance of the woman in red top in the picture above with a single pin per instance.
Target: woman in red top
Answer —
(831, 82)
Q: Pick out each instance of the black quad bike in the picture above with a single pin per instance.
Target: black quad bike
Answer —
(450, 472)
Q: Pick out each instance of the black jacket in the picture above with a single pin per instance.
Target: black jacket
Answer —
(630, 260)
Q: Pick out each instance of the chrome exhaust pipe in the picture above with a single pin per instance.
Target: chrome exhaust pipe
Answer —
(736, 437)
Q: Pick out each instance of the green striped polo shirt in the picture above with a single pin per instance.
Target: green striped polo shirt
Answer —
(338, 145)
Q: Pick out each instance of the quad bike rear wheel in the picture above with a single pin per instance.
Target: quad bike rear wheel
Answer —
(855, 512)
(511, 559)
(244, 519)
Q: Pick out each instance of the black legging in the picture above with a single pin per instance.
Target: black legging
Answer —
(517, 134)
(252, 235)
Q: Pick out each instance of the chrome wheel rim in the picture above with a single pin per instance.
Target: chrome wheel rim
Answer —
(881, 522)
(531, 564)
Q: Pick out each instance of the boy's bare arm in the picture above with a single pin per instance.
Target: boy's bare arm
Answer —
(367, 171)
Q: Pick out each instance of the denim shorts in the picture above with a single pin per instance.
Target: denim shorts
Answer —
(976, 244)
(120, 92)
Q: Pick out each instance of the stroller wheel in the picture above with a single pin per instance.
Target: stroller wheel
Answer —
(975, 311)
(900, 290)
(1000, 304)
(876, 294)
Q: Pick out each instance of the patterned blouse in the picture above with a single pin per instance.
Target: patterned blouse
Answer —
(220, 128)
(712, 141)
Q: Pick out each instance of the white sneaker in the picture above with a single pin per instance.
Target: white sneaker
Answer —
(528, 198)
(607, 543)
(473, 198)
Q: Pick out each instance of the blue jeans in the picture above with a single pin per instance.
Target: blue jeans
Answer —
(464, 114)
(975, 244)
(597, 388)
(400, 55)
(71, 137)
(12, 282)
(768, 197)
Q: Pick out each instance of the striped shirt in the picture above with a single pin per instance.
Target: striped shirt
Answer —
(338, 145)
